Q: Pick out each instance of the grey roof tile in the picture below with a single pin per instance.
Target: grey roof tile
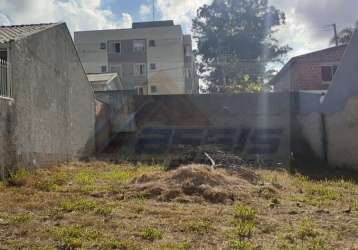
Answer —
(14, 32)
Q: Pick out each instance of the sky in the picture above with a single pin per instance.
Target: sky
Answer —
(305, 30)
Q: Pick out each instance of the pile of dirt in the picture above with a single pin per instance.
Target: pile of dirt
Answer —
(194, 183)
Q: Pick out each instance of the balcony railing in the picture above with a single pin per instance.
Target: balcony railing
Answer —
(5, 86)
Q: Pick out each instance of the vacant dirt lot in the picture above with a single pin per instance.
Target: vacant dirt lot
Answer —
(107, 206)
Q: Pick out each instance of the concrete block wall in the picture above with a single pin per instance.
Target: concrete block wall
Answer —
(54, 110)
(7, 152)
(252, 125)
(311, 130)
(342, 131)
(119, 102)
(103, 125)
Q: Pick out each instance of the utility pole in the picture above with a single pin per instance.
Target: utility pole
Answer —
(153, 10)
(335, 33)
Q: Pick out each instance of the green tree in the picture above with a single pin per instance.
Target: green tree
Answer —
(345, 35)
(235, 43)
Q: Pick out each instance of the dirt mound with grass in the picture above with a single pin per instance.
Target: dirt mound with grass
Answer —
(194, 183)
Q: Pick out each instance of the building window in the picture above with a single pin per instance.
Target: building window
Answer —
(187, 50)
(103, 68)
(138, 45)
(103, 46)
(5, 84)
(187, 73)
(151, 43)
(117, 47)
(327, 73)
(153, 66)
(153, 89)
(139, 69)
(140, 90)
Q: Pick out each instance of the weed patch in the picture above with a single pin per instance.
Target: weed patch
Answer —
(72, 237)
(244, 213)
(81, 205)
(198, 226)
(240, 245)
(52, 183)
(176, 246)
(103, 211)
(151, 234)
(18, 178)
(303, 236)
(16, 219)
(84, 206)
(119, 244)
(244, 222)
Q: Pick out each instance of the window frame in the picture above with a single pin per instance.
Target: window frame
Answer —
(187, 51)
(139, 90)
(153, 89)
(187, 73)
(5, 78)
(152, 43)
(104, 67)
(115, 47)
(103, 46)
(332, 68)
(134, 47)
(144, 71)
(153, 66)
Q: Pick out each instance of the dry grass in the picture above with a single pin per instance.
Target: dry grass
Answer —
(106, 206)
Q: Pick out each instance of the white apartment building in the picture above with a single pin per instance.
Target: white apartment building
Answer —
(154, 58)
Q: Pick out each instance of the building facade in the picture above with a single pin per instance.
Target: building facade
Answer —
(311, 72)
(152, 57)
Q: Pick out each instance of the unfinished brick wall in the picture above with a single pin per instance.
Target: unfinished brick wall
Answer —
(306, 71)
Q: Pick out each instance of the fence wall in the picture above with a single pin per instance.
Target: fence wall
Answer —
(7, 150)
(252, 125)
(103, 126)
(119, 102)
(332, 129)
